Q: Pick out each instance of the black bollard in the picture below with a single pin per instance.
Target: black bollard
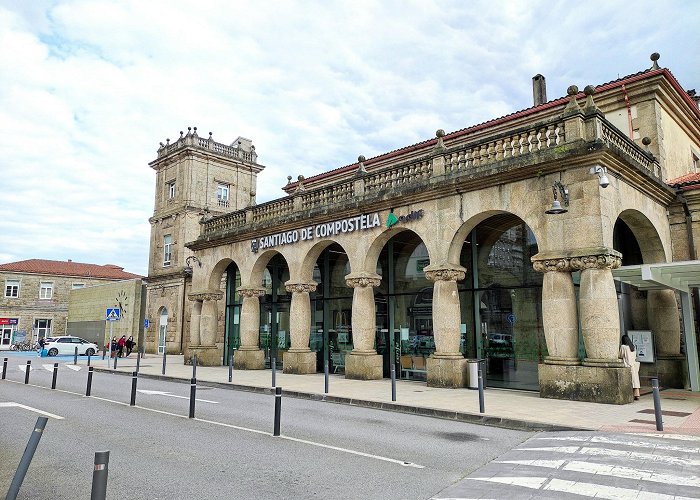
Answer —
(393, 381)
(163, 360)
(326, 372)
(26, 458)
(26, 374)
(116, 356)
(55, 374)
(230, 366)
(278, 410)
(4, 368)
(89, 359)
(274, 372)
(104, 353)
(481, 392)
(194, 366)
(89, 381)
(138, 362)
(75, 356)
(99, 476)
(193, 394)
(657, 404)
(134, 378)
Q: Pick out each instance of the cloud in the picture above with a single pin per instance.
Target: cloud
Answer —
(91, 88)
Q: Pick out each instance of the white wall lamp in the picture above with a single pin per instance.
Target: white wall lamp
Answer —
(556, 205)
(601, 172)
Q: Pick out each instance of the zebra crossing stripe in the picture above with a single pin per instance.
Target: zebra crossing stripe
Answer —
(679, 437)
(609, 470)
(636, 444)
(631, 455)
(579, 488)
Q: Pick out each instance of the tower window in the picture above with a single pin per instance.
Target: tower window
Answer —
(171, 190)
(222, 194)
(167, 249)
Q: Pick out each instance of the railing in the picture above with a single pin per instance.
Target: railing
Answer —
(327, 195)
(193, 140)
(393, 177)
(273, 209)
(225, 222)
(613, 137)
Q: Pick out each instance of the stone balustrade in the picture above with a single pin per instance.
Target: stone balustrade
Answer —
(393, 177)
(617, 140)
(328, 195)
(273, 209)
(191, 139)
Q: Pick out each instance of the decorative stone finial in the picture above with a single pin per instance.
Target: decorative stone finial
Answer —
(361, 165)
(210, 134)
(167, 141)
(361, 158)
(300, 184)
(439, 133)
(162, 145)
(589, 90)
(655, 57)
(181, 134)
(646, 141)
(289, 179)
(573, 104)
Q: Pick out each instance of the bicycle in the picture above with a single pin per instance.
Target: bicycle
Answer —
(22, 346)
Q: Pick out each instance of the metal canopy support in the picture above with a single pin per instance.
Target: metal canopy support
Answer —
(690, 342)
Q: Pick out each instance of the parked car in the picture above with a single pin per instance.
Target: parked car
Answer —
(67, 345)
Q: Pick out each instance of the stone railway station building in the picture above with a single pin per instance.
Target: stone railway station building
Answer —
(500, 241)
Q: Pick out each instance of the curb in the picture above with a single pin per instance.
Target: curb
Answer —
(473, 418)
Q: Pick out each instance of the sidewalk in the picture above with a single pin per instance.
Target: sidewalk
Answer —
(504, 408)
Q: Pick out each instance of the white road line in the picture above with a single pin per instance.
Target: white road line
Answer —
(579, 488)
(40, 412)
(75, 368)
(609, 470)
(48, 367)
(606, 452)
(634, 443)
(23, 368)
(680, 437)
(163, 393)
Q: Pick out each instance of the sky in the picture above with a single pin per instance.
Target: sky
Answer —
(89, 88)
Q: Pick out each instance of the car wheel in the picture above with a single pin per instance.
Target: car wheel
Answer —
(53, 351)
(90, 352)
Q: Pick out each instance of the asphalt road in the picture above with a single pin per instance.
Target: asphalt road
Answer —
(326, 450)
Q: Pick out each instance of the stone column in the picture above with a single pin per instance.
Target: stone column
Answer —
(446, 366)
(664, 322)
(363, 362)
(205, 349)
(299, 358)
(195, 317)
(249, 355)
(559, 317)
(600, 319)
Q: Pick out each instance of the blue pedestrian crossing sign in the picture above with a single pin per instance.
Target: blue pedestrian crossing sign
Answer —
(146, 323)
(113, 314)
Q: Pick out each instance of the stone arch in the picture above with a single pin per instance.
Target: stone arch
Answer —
(217, 273)
(646, 234)
(305, 272)
(256, 274)
(370, 261)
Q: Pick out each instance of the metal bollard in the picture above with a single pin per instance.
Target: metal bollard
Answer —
(26, 458)
(278, 410)
(89, 381)
(326, 372)
(194, 366)
(134, 378)
(26, 374)
(4, 368)
(230, 366)
(657, 404)
(393, 381)
(75, 356)
(274, 372)
(164, 360)
(138, 362)
(99, 476)
(89, 356)
(193, 393)
(481, 392)
(116, 357)
(55, 374)
(104, 353)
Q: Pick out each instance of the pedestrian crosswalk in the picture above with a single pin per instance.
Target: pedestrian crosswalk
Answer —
(589, 464)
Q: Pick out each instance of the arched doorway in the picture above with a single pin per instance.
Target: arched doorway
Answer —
(501, 302)
(232, 316)
(162, 329)
(275, 336)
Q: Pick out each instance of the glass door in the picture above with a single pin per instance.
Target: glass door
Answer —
(5, 336)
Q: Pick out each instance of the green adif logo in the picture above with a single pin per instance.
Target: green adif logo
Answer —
(414, 215)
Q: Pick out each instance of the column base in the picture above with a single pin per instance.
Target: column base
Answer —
(299, 363)
(364, 366)
(553, 360)
(603, 362)
(586, 383)
(252, 359)
(207, 355)
(671, 369)
(449, 372)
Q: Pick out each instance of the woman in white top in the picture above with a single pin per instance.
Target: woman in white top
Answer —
(630, 359)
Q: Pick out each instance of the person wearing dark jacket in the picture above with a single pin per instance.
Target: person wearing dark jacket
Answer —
(120, 345)
(130, 344)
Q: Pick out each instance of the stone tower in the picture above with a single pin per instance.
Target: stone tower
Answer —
(196, 178)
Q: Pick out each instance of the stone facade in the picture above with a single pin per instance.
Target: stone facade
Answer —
(441, 190)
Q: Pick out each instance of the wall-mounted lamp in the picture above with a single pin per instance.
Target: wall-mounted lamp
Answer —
(192, 258)
(601, 172)
(556, 205)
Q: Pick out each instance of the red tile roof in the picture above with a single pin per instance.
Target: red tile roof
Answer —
(69, 268)
(518, 114)
(687, 182)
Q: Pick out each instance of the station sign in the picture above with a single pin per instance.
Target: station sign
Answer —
(9, 321)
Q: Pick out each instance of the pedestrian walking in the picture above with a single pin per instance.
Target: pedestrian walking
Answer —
(113, 347)
(120, 345)
(629, 358)
(130, 344)
(42, 343)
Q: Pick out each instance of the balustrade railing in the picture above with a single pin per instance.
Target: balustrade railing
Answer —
(190, 140)
(613, 137)
(327, 195)
(273, 209)
(393, 177)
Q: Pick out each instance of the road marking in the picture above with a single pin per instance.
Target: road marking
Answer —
(637, 444)
(75, 368)
(579, 488)
(17, 405)
(23, 368)
(164, 393)
(681, 437)
(48, 367)
(609, 470)
(633, 455)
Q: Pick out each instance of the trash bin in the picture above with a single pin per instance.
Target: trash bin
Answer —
(473, 372)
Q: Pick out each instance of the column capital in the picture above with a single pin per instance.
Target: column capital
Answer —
(300, 287)
(362, 279)
(206, 295)
(445, 272)
(250, 291)
(576, 260)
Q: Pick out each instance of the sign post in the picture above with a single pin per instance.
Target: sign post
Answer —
(112, 315)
